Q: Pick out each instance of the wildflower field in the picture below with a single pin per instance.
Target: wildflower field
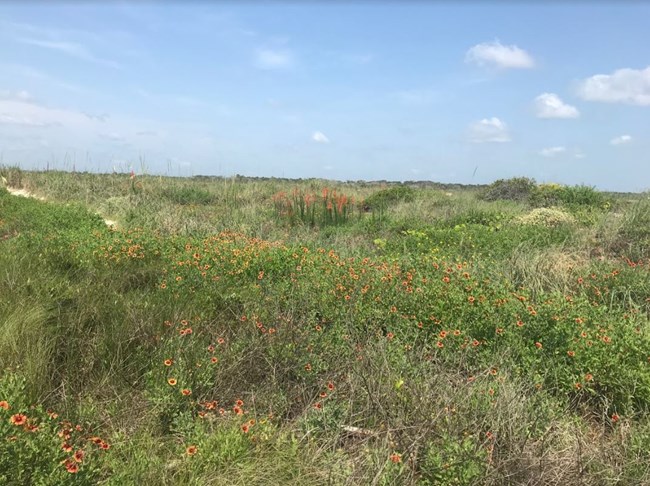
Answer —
(249, 331)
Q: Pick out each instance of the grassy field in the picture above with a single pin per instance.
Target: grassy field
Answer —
(250, 331)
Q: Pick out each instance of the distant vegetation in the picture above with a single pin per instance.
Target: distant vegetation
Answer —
(249, 331)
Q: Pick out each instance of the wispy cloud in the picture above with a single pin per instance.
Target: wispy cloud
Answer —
(630, 86)
(549, 105)
(21, 95)
(30, 73)
(417, 97)
(552, 151)
(497, 55)
(72, 49)
(320, 137)
(273, 58)
(621, 140)
(489, 130)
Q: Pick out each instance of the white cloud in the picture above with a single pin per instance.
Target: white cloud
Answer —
(21, 95)
(631, 86)
(552, 151)
(579, 154)
(549, 105)
(72, 49)
(489, 130)
(273, 59)
(498, 55)
(320, 137)
(27, 113)
(621, 140)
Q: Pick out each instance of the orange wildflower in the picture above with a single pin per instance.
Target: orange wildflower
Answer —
(4, 405)
(79, 456)
(186, 392)
(71, 466)
(191, 450)
(395, 458)
(168, 362)
(18, 419)
(172, 381)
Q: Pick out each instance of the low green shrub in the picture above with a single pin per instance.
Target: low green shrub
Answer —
(514, 189)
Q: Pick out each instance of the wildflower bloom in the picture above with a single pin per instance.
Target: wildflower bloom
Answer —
(318, 405)
(168, 362)
(330, 386)
(615, 418)
(308, 367)
(191, 450)
(589, 377)
(538, 345)
(18, 419)
(66, 447)
(245, 428)
(239, 403)
(172, 381)
(105, 445)
(186, 392)
(440, 344)
(571, 354)
(79, 455)
(214, 360)
(4, 405)
(395, 458)
(71, 466)
(390, 336)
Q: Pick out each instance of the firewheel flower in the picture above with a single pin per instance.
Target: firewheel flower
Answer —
(71, 466)
(18, 419)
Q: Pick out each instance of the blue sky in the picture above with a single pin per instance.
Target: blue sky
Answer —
(450, 92)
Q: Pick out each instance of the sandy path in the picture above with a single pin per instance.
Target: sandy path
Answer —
(26, 193)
